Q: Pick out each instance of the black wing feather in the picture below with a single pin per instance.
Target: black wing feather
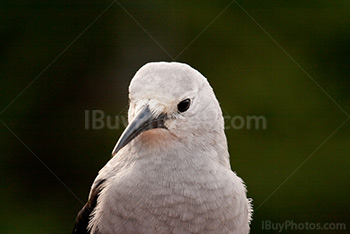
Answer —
(83, 217)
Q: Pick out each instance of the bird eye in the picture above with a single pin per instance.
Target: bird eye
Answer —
(184, 105)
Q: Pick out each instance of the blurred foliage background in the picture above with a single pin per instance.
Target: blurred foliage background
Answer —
(61, 68)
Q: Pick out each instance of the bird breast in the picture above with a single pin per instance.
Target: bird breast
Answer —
(159, 197)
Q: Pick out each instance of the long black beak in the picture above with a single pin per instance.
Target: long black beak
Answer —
(143, 121)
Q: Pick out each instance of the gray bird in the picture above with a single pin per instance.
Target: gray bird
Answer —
(170, 171)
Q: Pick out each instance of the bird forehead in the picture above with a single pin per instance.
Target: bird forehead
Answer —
(165, 81)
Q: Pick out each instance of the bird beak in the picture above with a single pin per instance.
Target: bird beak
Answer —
(143, 121)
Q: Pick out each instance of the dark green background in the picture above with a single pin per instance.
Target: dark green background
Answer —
(250, 74)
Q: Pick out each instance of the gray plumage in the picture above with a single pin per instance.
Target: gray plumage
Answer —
(170, 172)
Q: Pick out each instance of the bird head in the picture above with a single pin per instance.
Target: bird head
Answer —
(171, 103)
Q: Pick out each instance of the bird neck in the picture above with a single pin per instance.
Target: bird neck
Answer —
(165, 148)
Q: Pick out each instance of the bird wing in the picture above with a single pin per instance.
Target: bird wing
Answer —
(83, 217)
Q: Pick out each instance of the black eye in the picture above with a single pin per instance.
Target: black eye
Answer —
(184, 105)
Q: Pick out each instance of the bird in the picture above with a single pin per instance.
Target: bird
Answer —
(170, 169)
